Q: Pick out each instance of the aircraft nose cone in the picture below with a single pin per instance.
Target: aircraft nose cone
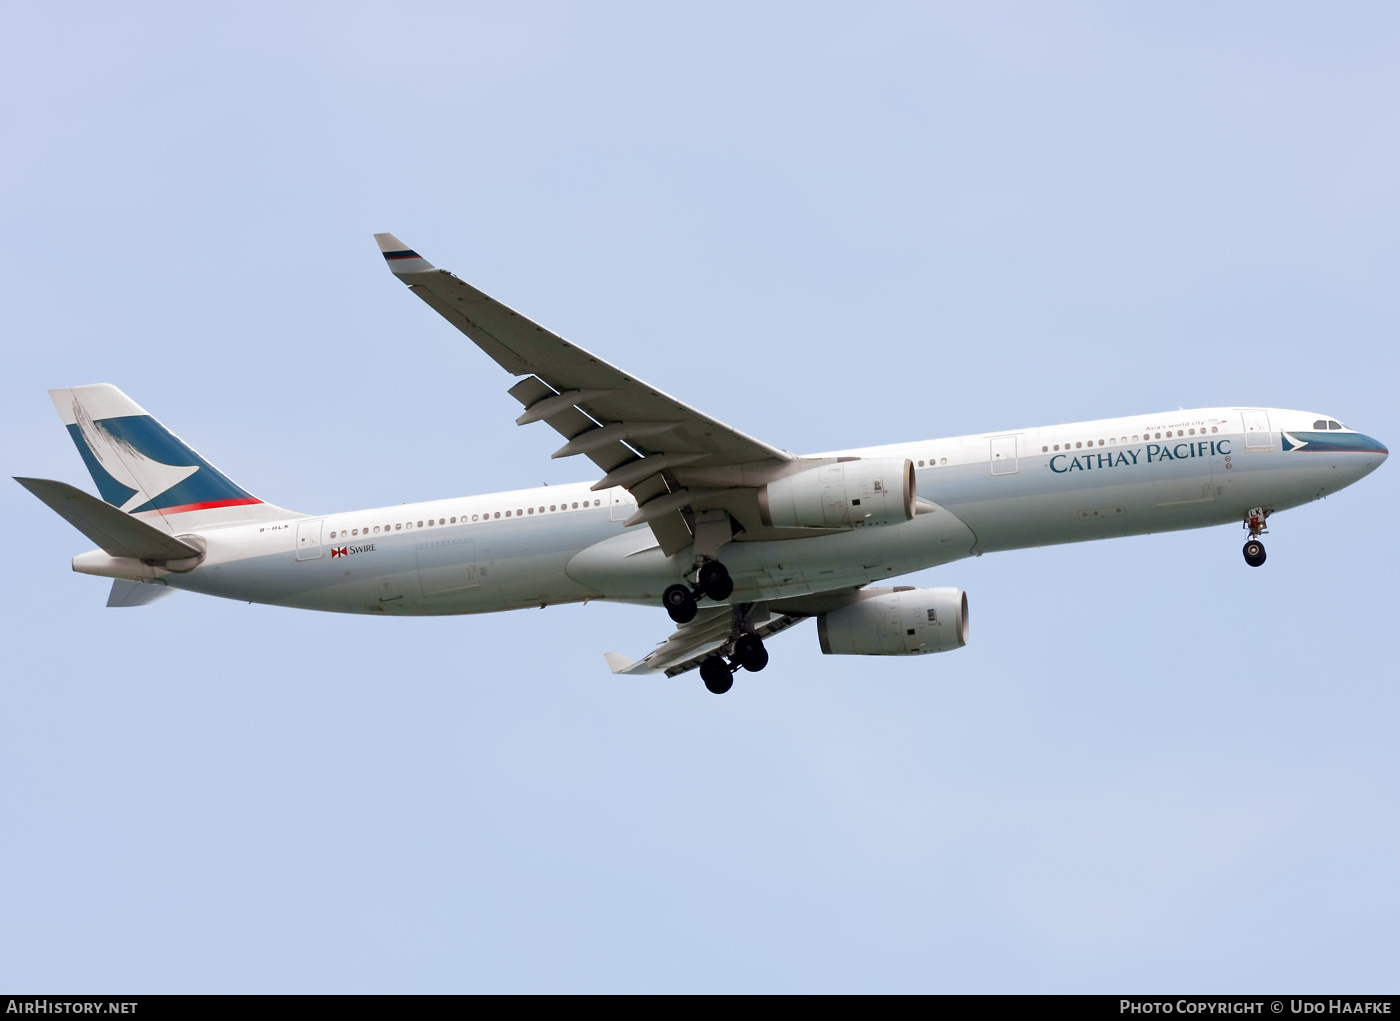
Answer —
(1373, 454)
(1374, 447)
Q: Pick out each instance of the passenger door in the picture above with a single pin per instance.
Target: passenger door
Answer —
(309, 539)
(1004, 455)
(1256, 430)
(622, 503)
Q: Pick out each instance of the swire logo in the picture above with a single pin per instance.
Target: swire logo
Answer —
(345, 551)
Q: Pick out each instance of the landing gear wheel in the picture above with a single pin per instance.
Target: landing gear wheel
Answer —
(716, 674)
(750, 653)
(1254, 554)
(715, 581)
(679, 603)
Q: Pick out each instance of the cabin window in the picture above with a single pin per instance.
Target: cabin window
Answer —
(1078, 445)
(921, 464)
(507, 514)
(551, 507)
(1214, 429)
(332, 535)
(376, 529)
(942, 460)
(1101, 443)
(397, 527)
(575, 506)
(532, 510)
(498, 514)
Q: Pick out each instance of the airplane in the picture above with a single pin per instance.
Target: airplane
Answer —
(736, 539)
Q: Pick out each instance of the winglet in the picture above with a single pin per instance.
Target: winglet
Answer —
(617, 662)
(402, 260)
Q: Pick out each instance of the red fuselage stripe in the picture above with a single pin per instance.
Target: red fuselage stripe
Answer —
(241, 501)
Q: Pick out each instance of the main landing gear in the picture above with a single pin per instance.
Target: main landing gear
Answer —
(1254, 554)
(712, 580)
(743, 651)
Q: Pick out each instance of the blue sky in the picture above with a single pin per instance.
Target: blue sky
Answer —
(1153, 768)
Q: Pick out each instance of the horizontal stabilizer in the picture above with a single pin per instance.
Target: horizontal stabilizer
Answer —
(137, 593)
(115, 531)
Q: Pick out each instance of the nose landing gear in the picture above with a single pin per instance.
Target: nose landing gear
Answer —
(1254, 554)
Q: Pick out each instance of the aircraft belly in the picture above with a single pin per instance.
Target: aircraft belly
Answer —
(453, 571)
(632, 568)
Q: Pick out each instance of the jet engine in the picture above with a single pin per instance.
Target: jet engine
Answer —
(861, 491)
(901, 621)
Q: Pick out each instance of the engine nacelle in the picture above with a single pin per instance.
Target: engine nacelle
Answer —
(862, 491)
(896, 622)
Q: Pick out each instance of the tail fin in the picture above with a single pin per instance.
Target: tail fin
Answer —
(143, 468)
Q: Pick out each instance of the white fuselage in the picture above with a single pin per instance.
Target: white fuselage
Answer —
(994, 491)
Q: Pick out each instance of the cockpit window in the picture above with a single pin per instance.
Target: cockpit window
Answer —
(1321, 423)
(1334, 425)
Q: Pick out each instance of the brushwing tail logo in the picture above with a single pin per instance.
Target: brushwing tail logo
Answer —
(127, 465)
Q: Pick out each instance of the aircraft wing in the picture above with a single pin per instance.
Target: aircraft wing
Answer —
(668, 455)
(692, 642)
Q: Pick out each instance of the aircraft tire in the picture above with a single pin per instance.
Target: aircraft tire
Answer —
(716, 674)
(750, 653)
(1254, 554)
(679, 603)
(715, 581)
